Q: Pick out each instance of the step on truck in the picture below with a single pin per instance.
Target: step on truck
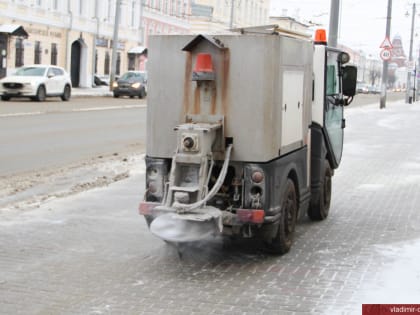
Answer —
(244, 132)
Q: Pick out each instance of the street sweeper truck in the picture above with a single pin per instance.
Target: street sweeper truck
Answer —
(244, 132)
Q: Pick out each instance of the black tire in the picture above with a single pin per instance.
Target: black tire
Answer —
(283, 240)
(116, 95)
(5, 98)
(41, 94)
(66, 93)
(148, 220)
(320, 204)
(142, 93)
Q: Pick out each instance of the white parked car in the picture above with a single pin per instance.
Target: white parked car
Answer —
(36, 82)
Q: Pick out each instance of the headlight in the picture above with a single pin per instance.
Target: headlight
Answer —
(115, 84)
(136, 85)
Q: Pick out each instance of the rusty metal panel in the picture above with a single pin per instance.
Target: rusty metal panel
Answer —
(247, 90)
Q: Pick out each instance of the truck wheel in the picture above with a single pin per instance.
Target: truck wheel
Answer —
(320, 205)
(5, 98)
(282, 242)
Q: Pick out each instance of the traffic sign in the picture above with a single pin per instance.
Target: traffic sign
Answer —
(386, 44)
(385, 54)
(410, 64)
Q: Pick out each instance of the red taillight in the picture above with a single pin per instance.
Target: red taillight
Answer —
(146, 208)
(258, 216)
(250, 215)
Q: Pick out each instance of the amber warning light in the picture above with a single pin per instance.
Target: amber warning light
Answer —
(203, 70)
(320, 37)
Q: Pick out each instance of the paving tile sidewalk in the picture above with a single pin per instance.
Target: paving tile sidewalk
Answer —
(92, 91)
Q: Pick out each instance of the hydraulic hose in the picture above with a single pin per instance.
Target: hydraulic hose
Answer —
(214, 190)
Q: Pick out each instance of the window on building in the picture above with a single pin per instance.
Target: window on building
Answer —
(55, 4)
(19, 52)
(133, 5)
(38, 53)
(165, 7)
(131, 62)
(173, 7)
(54, 54)
(106, 66)
(39, 2)
(96, 61)
(118, 65)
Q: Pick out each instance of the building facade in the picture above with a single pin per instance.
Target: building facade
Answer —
(77, 34)
(165, 17)
(211, 16)
(74, 34)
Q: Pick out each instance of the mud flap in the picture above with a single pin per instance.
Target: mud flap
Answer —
(188, 227)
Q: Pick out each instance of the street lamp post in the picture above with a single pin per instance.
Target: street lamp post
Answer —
(334, 20)
(94, 43)
(115, 43)
(385, 63)
(409, 97)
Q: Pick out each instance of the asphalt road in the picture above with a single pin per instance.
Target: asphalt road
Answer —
(36, 136)
(50, 134)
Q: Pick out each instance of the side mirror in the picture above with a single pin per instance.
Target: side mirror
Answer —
(343, 57)
(349, 80)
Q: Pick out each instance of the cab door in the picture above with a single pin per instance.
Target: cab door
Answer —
(334, 122)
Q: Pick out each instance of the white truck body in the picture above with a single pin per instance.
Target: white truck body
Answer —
(263, 92)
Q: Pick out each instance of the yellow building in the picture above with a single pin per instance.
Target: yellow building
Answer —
(74, 34)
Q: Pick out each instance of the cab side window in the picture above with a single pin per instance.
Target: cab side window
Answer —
(332, 88)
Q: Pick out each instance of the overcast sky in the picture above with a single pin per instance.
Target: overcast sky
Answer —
(362, 22)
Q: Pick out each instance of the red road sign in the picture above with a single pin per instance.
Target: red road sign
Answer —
(386, 44)
(385, 54)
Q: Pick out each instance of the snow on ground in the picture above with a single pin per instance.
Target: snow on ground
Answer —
(400, 279)
(30, 190)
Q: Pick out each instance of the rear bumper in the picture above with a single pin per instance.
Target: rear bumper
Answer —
(239, 217)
